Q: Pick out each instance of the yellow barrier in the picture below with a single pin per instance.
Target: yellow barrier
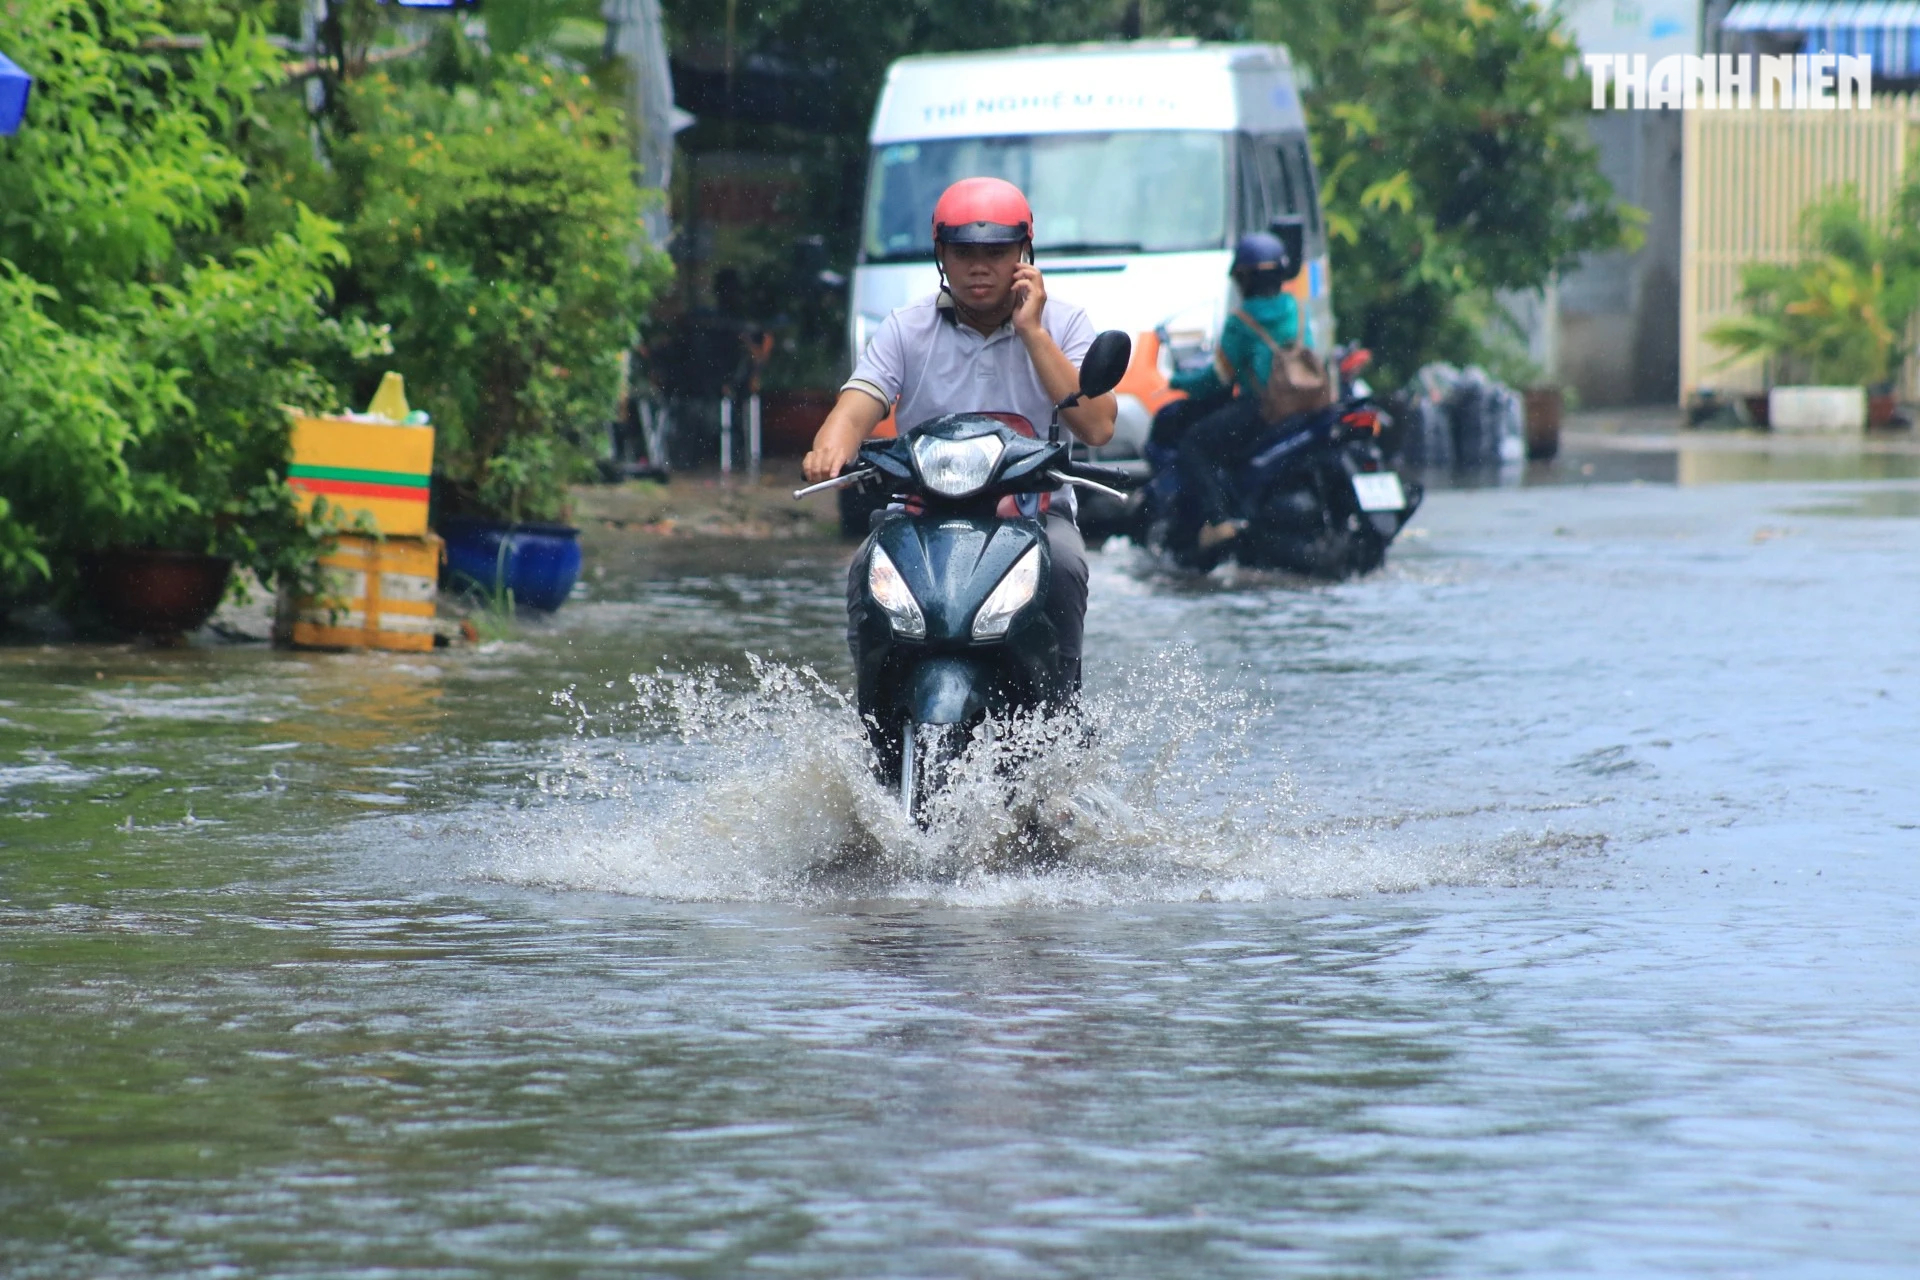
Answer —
(372, 464)
(380, 594)
(366, 468)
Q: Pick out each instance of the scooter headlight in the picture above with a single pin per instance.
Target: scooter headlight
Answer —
(1009, 598)
(956, 468)
(887, 587)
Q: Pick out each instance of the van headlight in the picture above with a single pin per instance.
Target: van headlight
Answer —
(1009, 598)
(956, 468)
(890, 590)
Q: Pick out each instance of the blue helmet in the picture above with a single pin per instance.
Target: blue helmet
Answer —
(1260, 252)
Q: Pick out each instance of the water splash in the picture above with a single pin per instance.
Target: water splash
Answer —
(758, 785)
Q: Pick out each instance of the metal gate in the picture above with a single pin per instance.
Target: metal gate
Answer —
(1748, 175)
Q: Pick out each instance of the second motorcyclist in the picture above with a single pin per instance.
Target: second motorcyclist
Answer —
(1211, 447)
(989, 341)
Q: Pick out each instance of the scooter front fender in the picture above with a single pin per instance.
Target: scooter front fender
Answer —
(946, 689)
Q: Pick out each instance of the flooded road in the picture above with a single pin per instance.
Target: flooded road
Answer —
(1542, 905)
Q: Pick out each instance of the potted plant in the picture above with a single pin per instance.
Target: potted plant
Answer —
(1829, 326)
(513, 543)
(495, 228)
(1544, 404)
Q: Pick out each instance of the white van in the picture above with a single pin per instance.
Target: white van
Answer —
(1143, 162)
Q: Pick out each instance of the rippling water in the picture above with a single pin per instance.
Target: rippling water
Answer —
(1542, 905)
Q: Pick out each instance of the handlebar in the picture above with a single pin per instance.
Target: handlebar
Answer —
(1110, 476)
(859, 475)
(1110, 480)
(1081, 482)
(1053, 468)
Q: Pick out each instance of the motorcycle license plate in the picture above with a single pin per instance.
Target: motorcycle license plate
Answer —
(1379, 491)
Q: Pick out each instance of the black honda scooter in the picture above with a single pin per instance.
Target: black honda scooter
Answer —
(948, 598)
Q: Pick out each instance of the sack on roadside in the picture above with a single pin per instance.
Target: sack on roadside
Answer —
(1462, 418)
(1296, 383)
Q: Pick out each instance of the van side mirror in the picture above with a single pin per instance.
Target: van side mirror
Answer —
(1105, 363)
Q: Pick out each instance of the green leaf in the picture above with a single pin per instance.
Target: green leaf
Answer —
(1390, 193)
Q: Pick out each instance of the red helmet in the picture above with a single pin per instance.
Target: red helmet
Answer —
(982, 211)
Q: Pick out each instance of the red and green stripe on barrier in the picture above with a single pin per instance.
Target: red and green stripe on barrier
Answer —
(404, 486)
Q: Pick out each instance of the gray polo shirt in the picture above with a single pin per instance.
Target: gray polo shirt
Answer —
(934, 366)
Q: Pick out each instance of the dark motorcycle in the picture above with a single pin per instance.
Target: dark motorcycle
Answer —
(1320, 496)
(950, 589)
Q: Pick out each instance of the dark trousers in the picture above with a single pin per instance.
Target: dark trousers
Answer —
(1066, 593)
(1212, 449)
(1176, 417)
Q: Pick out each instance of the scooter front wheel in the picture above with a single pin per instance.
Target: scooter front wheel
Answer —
(927, 753)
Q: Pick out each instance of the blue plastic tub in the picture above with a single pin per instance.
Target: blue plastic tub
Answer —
(537, 563)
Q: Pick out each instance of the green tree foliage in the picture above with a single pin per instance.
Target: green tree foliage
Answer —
(140, 384)
(1446, 134)
(69, 405)
(494, 227)
(119, 154)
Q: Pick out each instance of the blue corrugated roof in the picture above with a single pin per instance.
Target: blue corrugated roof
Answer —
(1813, 15)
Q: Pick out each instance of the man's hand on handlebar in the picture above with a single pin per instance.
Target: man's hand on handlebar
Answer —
(827, 459)
(852, 419)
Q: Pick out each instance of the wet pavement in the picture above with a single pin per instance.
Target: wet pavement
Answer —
(1653, 445)
(1541, 905)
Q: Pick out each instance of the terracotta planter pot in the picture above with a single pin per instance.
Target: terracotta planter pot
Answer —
(1880, 410)
(1543, 409)
(155, 593)
(788, 420)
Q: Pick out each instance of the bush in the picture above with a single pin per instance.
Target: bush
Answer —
(494, 227)
(63, 433)
(139, 387)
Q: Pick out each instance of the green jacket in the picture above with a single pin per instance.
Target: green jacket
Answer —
(1249, 357)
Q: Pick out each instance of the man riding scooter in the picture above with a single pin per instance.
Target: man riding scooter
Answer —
(989, 341)
(1212, 446)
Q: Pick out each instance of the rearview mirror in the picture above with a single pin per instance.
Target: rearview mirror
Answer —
(1105, 363)
(1291, 229)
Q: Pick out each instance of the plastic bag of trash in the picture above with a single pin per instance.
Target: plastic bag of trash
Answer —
(1428, 441)
(1463, 418)
(1488, 421)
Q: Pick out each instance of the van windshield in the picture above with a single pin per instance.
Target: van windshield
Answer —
(1134, 192)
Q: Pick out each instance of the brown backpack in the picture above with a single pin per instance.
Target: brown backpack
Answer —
(1296, 383)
